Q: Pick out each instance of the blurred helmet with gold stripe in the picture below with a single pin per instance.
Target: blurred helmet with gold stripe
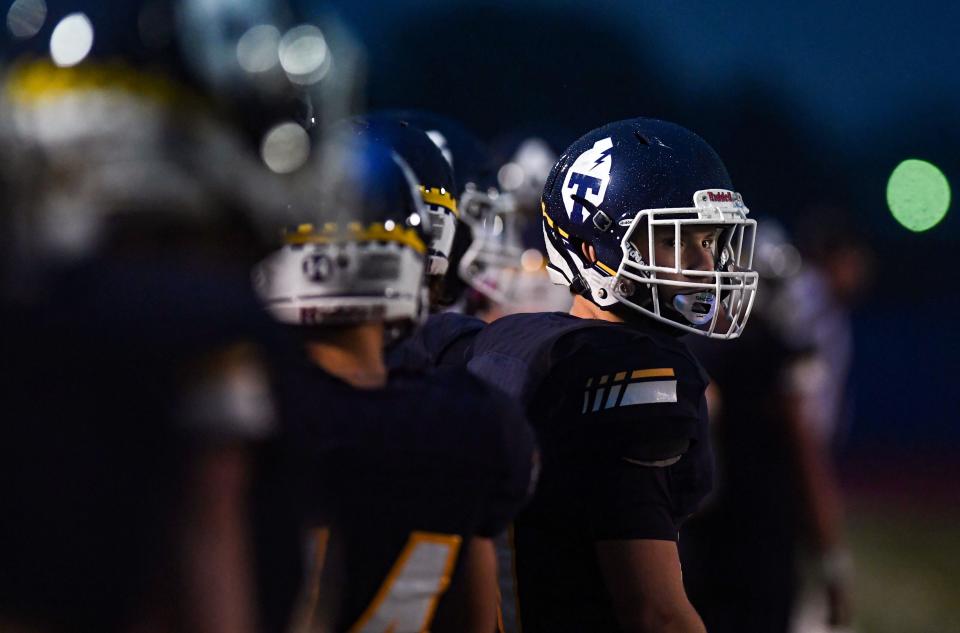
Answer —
(359, 253)
(434, 177)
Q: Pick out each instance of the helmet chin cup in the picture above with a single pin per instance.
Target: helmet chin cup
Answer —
(437, 264)
(698, 308)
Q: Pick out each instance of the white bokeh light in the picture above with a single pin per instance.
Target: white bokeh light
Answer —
(72, 40)
(304, 55)
(510, 176)
(26, 17)
(258, 48)
(285, 147)
(531, 260)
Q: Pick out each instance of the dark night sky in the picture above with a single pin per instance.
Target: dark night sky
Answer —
(848, 67)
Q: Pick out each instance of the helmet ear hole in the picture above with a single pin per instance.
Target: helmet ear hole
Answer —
(589, 252)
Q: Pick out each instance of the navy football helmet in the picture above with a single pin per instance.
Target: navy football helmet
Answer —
(434, 176)
(361, 255)
(618, 187)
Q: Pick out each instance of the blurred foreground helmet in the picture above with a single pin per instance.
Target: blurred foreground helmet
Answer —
(490, 259)
(157, 111)
(361, 257)
(434, 177)
(258, 63)
(611, 188)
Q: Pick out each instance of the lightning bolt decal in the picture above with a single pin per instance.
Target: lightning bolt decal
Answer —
(605, 153)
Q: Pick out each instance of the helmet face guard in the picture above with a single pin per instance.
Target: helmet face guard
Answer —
(492, 263)
(441, 211)
(719, 305)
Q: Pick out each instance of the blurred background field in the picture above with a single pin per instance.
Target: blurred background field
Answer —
(907, 576)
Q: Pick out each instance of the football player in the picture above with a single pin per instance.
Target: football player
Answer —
(486, 251)
(642, 224)
(525, 163)
(772, 465)
(408, 476)
(134, 387)
(438, 191)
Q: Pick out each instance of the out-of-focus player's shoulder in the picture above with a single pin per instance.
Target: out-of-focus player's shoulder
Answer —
(442, 341)
(520, 326)
(458, 392)
(442, 329)
(499, 436)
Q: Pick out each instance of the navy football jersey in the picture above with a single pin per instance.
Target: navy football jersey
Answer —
(107, 389)
(442, 341)
(620, 417)
(395, 482)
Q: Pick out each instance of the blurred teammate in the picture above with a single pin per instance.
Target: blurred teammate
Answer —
(641, 222)
(407, 476)
(524, 168)
(486, 258)
(137, 138)
(487, 246)
(772, 468)
(438, 192)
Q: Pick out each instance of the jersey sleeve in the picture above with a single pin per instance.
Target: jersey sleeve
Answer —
(515, 476)
(627, 500)
(440, 342)
(626, 413)
(636, 398)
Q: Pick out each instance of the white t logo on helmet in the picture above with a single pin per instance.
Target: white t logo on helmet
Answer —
(588, 178)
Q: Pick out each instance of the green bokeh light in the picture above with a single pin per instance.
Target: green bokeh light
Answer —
(918, 194)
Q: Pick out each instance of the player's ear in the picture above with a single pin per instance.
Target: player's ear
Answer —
(589, 252)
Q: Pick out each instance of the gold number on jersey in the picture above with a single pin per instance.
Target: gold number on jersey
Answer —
(306, 609)
(407, 599)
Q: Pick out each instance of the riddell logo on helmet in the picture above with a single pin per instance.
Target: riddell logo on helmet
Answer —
(720, 196)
